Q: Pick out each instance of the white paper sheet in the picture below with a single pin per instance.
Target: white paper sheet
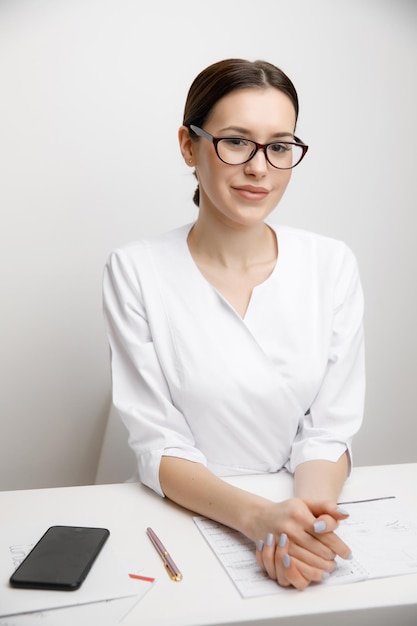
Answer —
(381, 534)
(107, 579)
(108, 613)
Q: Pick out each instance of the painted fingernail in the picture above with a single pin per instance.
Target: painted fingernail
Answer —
(260, 545)
(286, 561)
(326, 575)
(342, 511)
(349, 557)
(282, 540)
(269, 540)
(320, 526)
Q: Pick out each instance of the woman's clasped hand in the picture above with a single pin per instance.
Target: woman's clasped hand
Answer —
(301, 545)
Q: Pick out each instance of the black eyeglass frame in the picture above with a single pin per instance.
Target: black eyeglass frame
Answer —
(258, 146)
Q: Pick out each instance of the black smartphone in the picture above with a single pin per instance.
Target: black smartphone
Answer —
(61, 559)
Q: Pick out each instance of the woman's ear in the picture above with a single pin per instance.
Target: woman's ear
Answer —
(186, 146)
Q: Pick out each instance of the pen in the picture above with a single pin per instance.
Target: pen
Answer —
(172, 569)
(368, 500)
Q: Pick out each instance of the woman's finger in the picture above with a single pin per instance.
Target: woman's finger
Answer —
(311, 559)
(289, 564)
(285, 567)
(322, 508)
(335, 544)
(266, 555)
(282, 562)
(325, 524)
(290, 570)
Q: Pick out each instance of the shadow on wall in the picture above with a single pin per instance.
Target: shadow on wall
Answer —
(117, 462)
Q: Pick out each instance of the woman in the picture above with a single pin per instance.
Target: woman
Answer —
(237, 345)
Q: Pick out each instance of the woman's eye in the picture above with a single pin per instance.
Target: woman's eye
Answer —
(235, 142)
(279, 147)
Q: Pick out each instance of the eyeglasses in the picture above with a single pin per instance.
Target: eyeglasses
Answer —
(283, 155)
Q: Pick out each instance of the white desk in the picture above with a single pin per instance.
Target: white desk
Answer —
(206, 596)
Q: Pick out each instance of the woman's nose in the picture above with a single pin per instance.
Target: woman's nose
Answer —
(258, 165)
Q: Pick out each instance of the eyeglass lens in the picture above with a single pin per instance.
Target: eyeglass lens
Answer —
(282, 155)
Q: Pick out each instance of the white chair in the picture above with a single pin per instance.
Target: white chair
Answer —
(117, 462)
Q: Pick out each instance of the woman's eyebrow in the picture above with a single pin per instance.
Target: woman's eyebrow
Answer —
(245, 131)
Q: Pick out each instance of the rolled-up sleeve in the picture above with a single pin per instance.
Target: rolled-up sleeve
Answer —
(336, 413)
(141, 393)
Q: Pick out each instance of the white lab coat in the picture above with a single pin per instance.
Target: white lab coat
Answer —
(192, 379)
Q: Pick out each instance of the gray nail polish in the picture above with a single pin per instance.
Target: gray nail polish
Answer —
(320, 526)
(326, 575)
(260, 545)
(282, 540)
(286, 561)
(349, 557)
(269, 540)
(342, 511)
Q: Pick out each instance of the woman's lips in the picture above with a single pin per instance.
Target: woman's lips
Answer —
(249, 192)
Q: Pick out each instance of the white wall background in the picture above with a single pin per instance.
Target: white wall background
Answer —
(91, 95)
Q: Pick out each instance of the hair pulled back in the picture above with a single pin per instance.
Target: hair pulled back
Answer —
(223, 77)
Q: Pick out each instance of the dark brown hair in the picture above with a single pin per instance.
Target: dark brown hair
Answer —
(221, 78)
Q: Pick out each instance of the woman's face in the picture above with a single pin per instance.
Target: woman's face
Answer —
(243, 194)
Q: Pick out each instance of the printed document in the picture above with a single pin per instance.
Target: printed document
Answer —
(382, 535)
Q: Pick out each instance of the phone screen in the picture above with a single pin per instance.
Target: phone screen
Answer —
(61, 559)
